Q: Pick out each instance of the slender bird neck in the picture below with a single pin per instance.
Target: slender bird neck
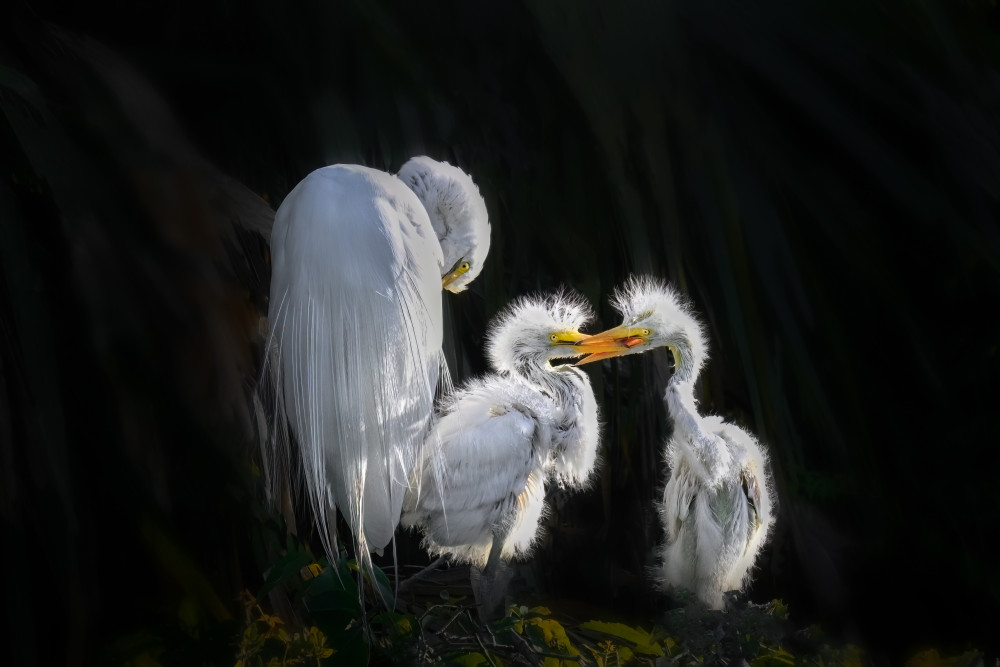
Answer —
(686, 367)
(679, 397)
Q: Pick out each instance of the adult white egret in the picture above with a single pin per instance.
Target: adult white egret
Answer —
(359, 258)
(481, 493)
(717, 505)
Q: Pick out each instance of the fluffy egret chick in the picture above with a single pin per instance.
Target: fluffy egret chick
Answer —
(359, 260)
(481, 490)
(717, 506)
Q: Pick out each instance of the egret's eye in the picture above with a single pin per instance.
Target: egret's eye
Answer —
(645, 332)
(553, 337)
(460, 267)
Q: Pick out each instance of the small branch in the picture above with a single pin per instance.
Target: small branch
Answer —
(422, 573)
(486, 653)
(458, 613)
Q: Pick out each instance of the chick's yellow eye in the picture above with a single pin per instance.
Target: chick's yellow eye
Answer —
(645, 332)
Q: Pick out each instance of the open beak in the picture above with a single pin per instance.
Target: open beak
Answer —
(611, 343)
(567, 342)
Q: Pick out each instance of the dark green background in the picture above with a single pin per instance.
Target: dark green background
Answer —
(822, 181)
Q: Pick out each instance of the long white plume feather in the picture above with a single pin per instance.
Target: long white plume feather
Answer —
(354, 355)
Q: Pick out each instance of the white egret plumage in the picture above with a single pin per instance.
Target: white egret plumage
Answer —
(497, 439)
(359, 258)
(717, 506)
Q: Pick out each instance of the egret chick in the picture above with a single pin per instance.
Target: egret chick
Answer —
(481, 492)
(717, 505)
(359, 258)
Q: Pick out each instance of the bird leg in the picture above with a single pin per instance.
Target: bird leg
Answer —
(490, 584)
(499, 537)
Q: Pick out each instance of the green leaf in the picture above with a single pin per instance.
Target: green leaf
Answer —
(470, 660)
(620, 630)
(346, 636)
(642, 641)
(504, 624)
(384, 587)
(549, 633)
(334, 600)
(380, 582)
(396, 624)
(778, 608)
(774, 657)
(289, 564)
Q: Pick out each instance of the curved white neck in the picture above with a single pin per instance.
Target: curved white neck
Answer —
(711, 453)
(686, 367)
(683, 407)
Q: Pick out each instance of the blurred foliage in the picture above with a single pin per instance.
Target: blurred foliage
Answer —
(327, 612)
(822, 179)
(449, 631)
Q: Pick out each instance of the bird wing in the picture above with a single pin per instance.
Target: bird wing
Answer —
(751, 489)
(489, 443)
(356, 335)
(482, 463)
(750, 459)
(753, 483)
(680, 491)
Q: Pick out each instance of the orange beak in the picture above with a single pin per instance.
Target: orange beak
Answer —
(611, 343)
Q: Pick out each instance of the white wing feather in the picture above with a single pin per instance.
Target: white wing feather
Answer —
(714, 530)
(484, 468)
(355, 344)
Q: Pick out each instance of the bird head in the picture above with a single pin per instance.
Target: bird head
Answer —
(458, 214)
(536, 330)
(653, 315)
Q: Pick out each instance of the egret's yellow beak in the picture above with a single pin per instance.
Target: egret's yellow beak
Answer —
(459, 269)
(566, 342)
(571, 338)
(611, 343)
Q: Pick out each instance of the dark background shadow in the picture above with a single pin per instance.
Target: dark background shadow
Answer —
(822, 181)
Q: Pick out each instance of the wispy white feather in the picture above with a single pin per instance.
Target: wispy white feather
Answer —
(717, 506)
(354, 354)
(499, 436)
(644, 299)
(456, 210)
